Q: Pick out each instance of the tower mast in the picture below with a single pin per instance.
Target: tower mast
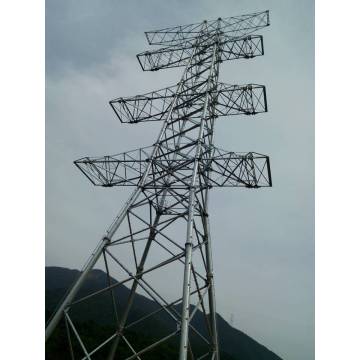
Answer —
(172, 179)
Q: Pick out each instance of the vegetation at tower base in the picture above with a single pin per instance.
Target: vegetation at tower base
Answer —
(234, 344)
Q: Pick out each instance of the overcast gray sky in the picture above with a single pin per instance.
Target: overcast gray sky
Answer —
(264, 266)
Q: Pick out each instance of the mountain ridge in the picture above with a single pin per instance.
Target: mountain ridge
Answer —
(233, 342)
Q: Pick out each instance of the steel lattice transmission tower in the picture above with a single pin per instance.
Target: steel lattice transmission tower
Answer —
(162, 232)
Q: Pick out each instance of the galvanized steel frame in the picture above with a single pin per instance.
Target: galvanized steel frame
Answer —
(173, 178)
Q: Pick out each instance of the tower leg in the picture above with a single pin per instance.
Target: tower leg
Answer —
(185, 303)
(210, 277)
(70, 296)
(89, 265)
(187, 282)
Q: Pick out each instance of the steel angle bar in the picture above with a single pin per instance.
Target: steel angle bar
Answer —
(199, 303)
(114, 285)
(210, 277)
(87, 355)
(201, 300)
(160, 309)
(181, 133)
(53, 322)
(109, 282)
(132, 242)
(131, 277)
(173, 181)
(175, 257)
(130, 346)
(203, 356)
(101, 345)
(139, 281)
(152, 345)
(69, 339)
(101, 291)
(125, 241)
(165, 224)
(156, 296)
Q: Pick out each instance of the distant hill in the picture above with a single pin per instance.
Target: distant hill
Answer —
(234, 344)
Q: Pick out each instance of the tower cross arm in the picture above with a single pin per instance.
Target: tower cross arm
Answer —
(152, 106)
(123, 169)
(246, 99)
(240, 26)
(223, 169)
(235, 26)
(230, 169)
(249, 99)
(177, 56)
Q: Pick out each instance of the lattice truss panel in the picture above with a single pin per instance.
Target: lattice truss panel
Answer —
(236, 26)
(224, 169)
(247, 99)
(147, 251)
(170, 57)
(162, 234)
